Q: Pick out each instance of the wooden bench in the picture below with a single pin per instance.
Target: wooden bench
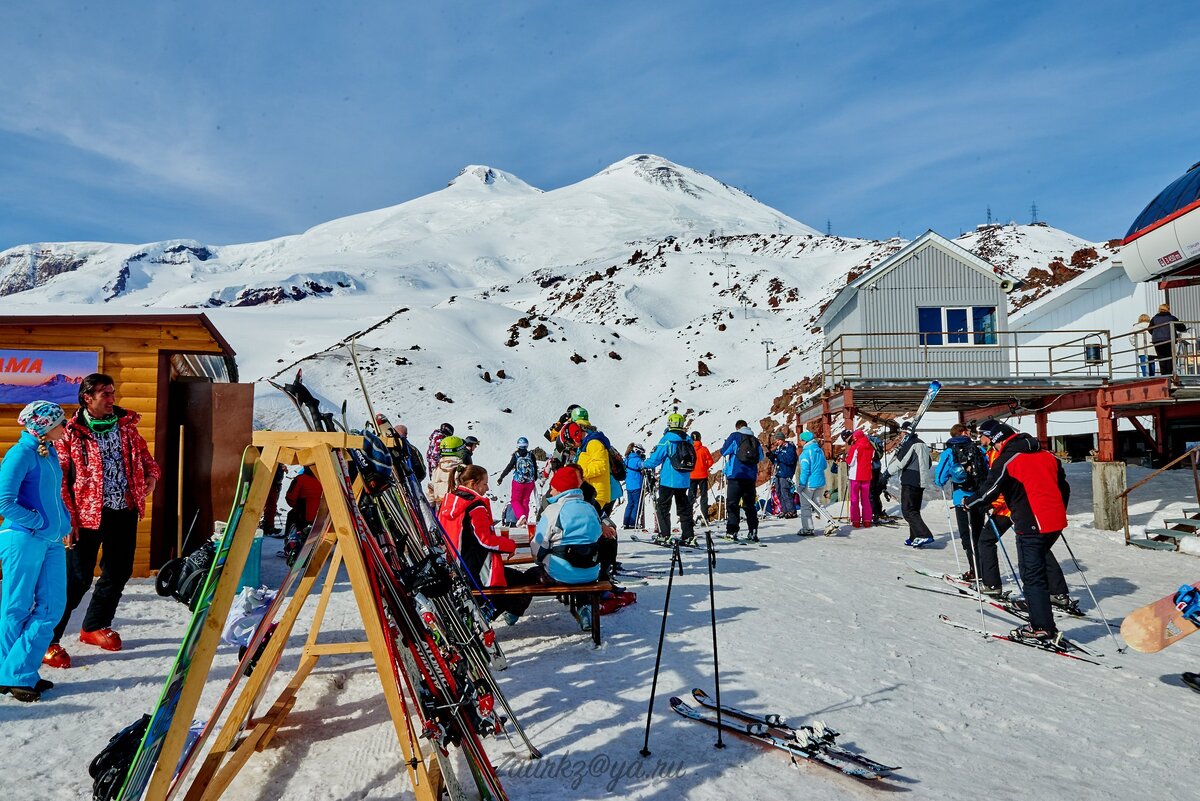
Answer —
(593, 592)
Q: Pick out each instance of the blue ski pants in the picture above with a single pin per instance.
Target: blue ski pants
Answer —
(32, 600)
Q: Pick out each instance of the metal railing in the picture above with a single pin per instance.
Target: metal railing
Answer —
(900, 355)
(1069, 355)
(1193, 455)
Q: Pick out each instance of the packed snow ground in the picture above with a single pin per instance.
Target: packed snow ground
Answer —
(814, 628)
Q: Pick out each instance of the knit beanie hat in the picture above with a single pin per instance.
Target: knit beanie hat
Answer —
(40, 417)
(806, 436)
(565, 478)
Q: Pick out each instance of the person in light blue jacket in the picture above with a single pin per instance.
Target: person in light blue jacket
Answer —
(810, 479)
(670, 456)
(34, 592)
(569, 543)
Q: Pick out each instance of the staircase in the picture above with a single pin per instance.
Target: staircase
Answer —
(1176, 529)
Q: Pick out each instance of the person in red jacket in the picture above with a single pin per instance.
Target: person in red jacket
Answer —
(699, 475)
(304, 496)
(108, 473)
(859, 454)
(1035, 487)
(466, 515)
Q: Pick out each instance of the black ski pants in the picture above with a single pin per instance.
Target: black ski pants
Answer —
(118, 535)
(699, 486)
(979, 544)
(1166, 358)
(878, 485)
(683, 506)
(740, 492)
(1041, 575)
(910, 507)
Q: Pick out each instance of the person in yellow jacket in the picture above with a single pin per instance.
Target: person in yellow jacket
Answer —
(593, 458)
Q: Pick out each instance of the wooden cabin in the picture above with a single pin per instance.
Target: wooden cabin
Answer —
(175, 370)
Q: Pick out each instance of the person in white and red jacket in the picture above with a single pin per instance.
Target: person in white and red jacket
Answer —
(466, 515)
(1034, 484)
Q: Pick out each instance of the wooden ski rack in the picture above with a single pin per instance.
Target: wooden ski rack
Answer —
(243, 732)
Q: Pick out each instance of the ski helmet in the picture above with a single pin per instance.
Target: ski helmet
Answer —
(446, 429)
(471, 440)
(676, 420)
(579, 415)
(522, 442)
(571, 435)
(996, 430)
(452, 446)
(640, 450)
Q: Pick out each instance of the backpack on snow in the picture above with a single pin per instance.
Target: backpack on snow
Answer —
(747, 450)
(109, 767)
(182, 579)
(683, 456)
(968, 468)
(525, 472)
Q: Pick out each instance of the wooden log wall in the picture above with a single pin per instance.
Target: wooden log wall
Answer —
(131, 356)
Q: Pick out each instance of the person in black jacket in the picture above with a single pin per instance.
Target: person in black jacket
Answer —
(1164, 329)
(415, 460)
(1035, 487)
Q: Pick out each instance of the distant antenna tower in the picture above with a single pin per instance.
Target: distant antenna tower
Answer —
(1033, 213)
(828, 227)
(989, 212)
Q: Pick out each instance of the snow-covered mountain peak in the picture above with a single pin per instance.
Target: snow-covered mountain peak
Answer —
(477, 175)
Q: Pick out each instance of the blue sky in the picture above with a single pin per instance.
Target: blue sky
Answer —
(229, 122)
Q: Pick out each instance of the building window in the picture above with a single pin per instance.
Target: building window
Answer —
(957, 325)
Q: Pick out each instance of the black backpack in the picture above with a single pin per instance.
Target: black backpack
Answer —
(968, 456)
(616, 463)
(183, 579)
(747, 450)
(683, 456)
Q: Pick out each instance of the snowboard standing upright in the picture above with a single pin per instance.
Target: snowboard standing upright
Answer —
(1155, 626)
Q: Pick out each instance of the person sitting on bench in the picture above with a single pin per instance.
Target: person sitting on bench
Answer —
(567, 543)
(466, 514)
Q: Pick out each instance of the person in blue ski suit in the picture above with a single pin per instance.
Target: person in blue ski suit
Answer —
(673, 483)
(810, 479)
(34, 592)
(783, 456)
(978, 544)
(635, 460)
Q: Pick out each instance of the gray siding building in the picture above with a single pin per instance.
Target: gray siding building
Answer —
(931, 310)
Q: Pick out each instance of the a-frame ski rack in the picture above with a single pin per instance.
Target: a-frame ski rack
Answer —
(244, 733)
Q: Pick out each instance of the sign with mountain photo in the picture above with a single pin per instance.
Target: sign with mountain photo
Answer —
(52, 375)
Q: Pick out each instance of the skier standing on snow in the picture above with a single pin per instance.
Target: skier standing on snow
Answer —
(783, 456)
(1035, 487)
(36, 523)
(304, 496)
(593, 457)
(675, 459)
(810, 479)
(444, 477)
(963, 464)
(524, 467)
(108, 476)
(911, 462)
(635, 462)
(742, 452)
(878, 483)
(469, 446)
(434, 452)
(859, 453)
(698, 485)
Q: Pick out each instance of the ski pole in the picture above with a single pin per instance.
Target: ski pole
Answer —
(972, 557)
(1099, 609)
(712, 608)
(676, 562)
(950, 531)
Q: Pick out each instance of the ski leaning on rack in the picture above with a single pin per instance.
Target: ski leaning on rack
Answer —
(146, 757)
(816, 736)
(761, 733)
(1063, 647)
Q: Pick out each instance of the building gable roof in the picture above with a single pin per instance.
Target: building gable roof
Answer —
(91, 318)
(925, 240)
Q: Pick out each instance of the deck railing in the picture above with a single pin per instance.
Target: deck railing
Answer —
(1066, 355)
(1193, 455)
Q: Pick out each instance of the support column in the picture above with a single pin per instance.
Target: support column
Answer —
(1041, 419)
(1108, 475)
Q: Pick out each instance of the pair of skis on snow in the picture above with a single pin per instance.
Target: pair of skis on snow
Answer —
(815, 743)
